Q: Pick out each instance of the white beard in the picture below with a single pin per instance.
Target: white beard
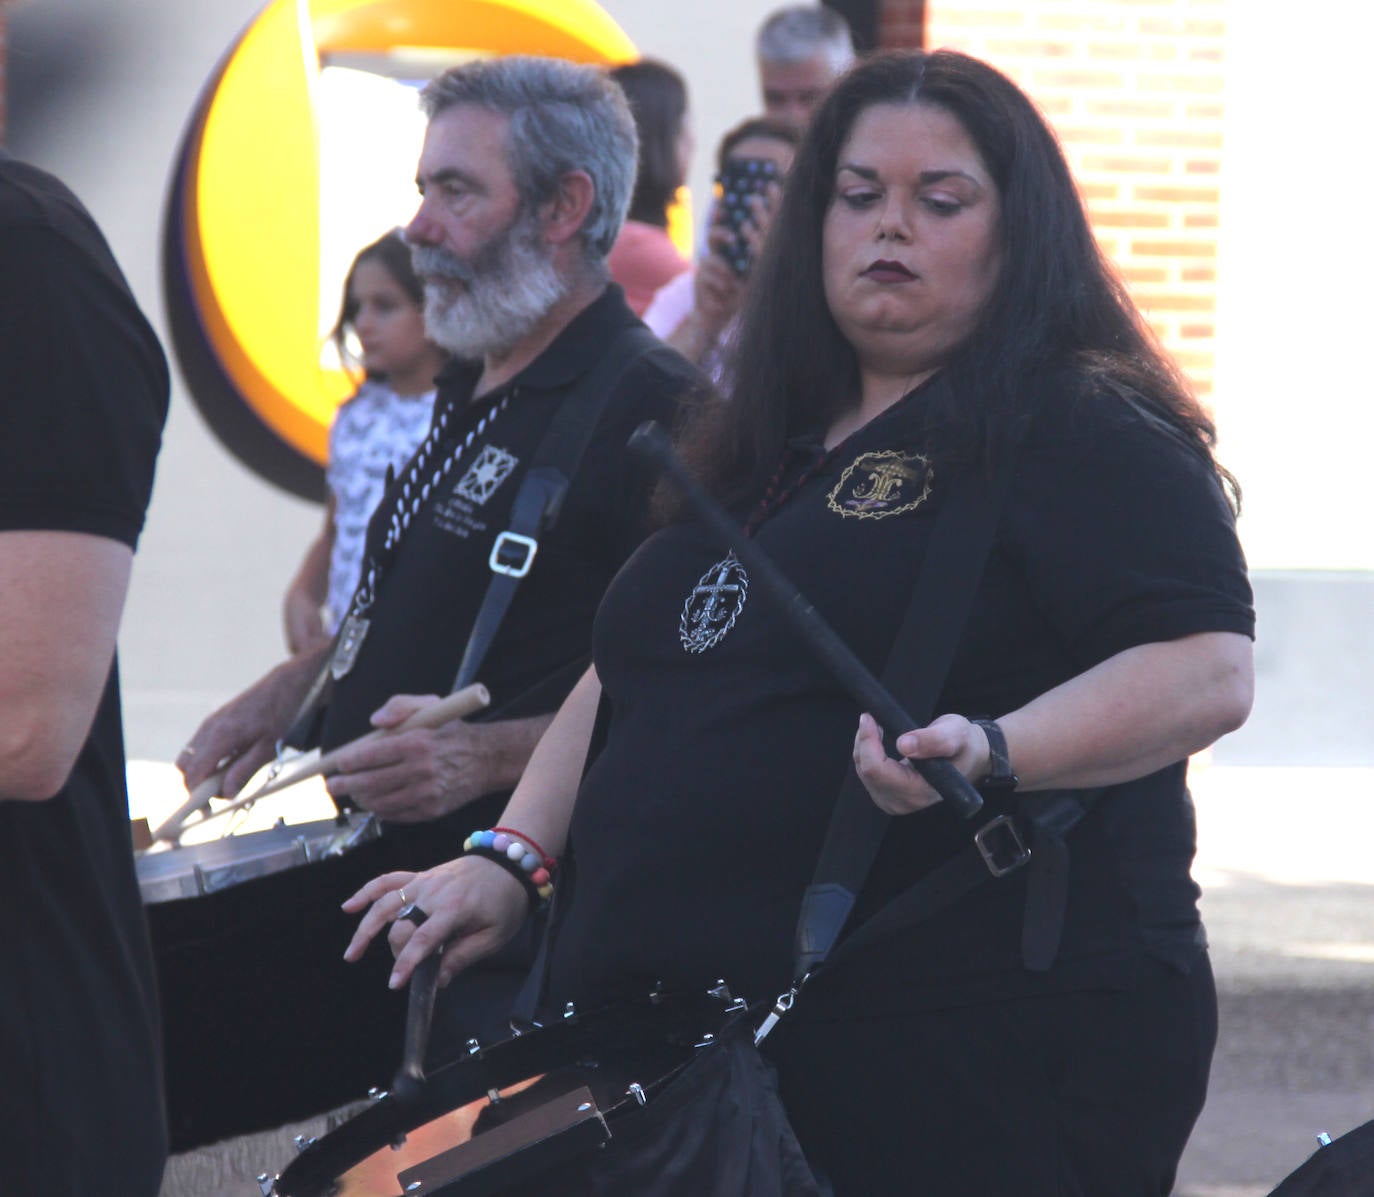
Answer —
(507, 288)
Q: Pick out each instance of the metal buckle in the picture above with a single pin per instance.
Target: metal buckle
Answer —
(1000, 845)
(524, 548)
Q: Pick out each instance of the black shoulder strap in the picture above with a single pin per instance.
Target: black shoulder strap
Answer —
(539, 500)
(917, 663)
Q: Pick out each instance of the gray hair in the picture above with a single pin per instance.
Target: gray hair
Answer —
(563, 117)
(800, 32)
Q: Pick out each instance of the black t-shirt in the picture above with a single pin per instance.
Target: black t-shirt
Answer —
(700, 821)
(83, 396)
(431, 592)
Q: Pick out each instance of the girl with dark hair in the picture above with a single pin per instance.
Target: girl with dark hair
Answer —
(644, 257)
(930, 314)
(379, 426)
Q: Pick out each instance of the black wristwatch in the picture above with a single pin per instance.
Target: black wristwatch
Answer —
(1000, 778)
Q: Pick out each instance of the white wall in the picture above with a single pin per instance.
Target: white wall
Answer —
(1295, 392)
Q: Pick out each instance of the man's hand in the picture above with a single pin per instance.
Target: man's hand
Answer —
(415, 776)
(473, 906)
(244, 732)
(304, 624)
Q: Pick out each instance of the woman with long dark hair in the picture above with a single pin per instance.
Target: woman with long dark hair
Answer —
(930, 312)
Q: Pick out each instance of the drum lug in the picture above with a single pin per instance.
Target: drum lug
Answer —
(474, 1047)
(636, 1090)
(302, 1142)
(267, 1184)
(570, 1010)
(737, 1005)
(376, 1094)
(721, 991)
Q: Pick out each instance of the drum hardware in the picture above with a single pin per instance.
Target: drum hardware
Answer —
(514, 1107)
(196, 870)
(302, 1142)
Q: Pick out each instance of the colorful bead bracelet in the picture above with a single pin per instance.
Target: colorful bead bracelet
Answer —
(520, 856)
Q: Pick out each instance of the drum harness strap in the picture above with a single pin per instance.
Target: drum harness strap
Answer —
(1034, 837)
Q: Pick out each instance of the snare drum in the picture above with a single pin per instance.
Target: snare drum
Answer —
(263, 1021)
(506, 1115)
(199, 869)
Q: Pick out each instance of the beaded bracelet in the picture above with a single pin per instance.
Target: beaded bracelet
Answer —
(520, 856)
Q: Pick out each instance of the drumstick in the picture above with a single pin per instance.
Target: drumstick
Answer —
(456, 706)
(171, 829)
(651, 441)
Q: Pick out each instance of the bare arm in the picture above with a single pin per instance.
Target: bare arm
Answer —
(475, 906)
(61, 596)
(1134, 713)
(309, 588)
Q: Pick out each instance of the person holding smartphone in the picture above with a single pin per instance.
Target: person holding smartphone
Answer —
(695, 312)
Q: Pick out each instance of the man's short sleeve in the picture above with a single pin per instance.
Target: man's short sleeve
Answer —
(83, 390)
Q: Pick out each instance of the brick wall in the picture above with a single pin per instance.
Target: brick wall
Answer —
(901, 24)
(1134, 90)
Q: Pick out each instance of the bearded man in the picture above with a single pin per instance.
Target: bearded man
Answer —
(525, 177)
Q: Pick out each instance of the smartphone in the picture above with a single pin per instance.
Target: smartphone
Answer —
(741, 179)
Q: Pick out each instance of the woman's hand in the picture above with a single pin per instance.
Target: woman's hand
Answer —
(473, 906)
(893, 784)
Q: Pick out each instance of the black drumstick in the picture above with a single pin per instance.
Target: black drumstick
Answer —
(651, 441)
(409, 1081)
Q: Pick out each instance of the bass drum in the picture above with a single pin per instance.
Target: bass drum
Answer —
(507, 1115)
(264, 1022)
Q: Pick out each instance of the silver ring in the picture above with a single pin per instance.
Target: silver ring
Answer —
(401, 893)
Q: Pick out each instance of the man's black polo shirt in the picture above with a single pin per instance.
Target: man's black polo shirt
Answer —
(431, 593)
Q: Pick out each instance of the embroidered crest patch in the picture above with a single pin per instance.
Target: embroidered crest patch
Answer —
(713, 606)
(876, 485)
(492, 467)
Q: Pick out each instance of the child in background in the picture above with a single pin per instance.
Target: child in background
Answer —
(380, 426)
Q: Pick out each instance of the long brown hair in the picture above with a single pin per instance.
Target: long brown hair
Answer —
(1058, 304)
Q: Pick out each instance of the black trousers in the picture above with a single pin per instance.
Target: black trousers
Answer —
(1083, 1094)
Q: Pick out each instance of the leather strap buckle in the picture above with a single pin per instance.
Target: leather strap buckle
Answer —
(513, 554)
(1001, 846)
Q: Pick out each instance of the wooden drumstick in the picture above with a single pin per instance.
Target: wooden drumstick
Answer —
(200, 797)
(456, 706)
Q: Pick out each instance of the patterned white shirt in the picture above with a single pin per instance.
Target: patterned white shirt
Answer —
(374, 429)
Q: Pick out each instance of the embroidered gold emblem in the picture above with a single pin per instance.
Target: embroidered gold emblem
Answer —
(876, 485)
